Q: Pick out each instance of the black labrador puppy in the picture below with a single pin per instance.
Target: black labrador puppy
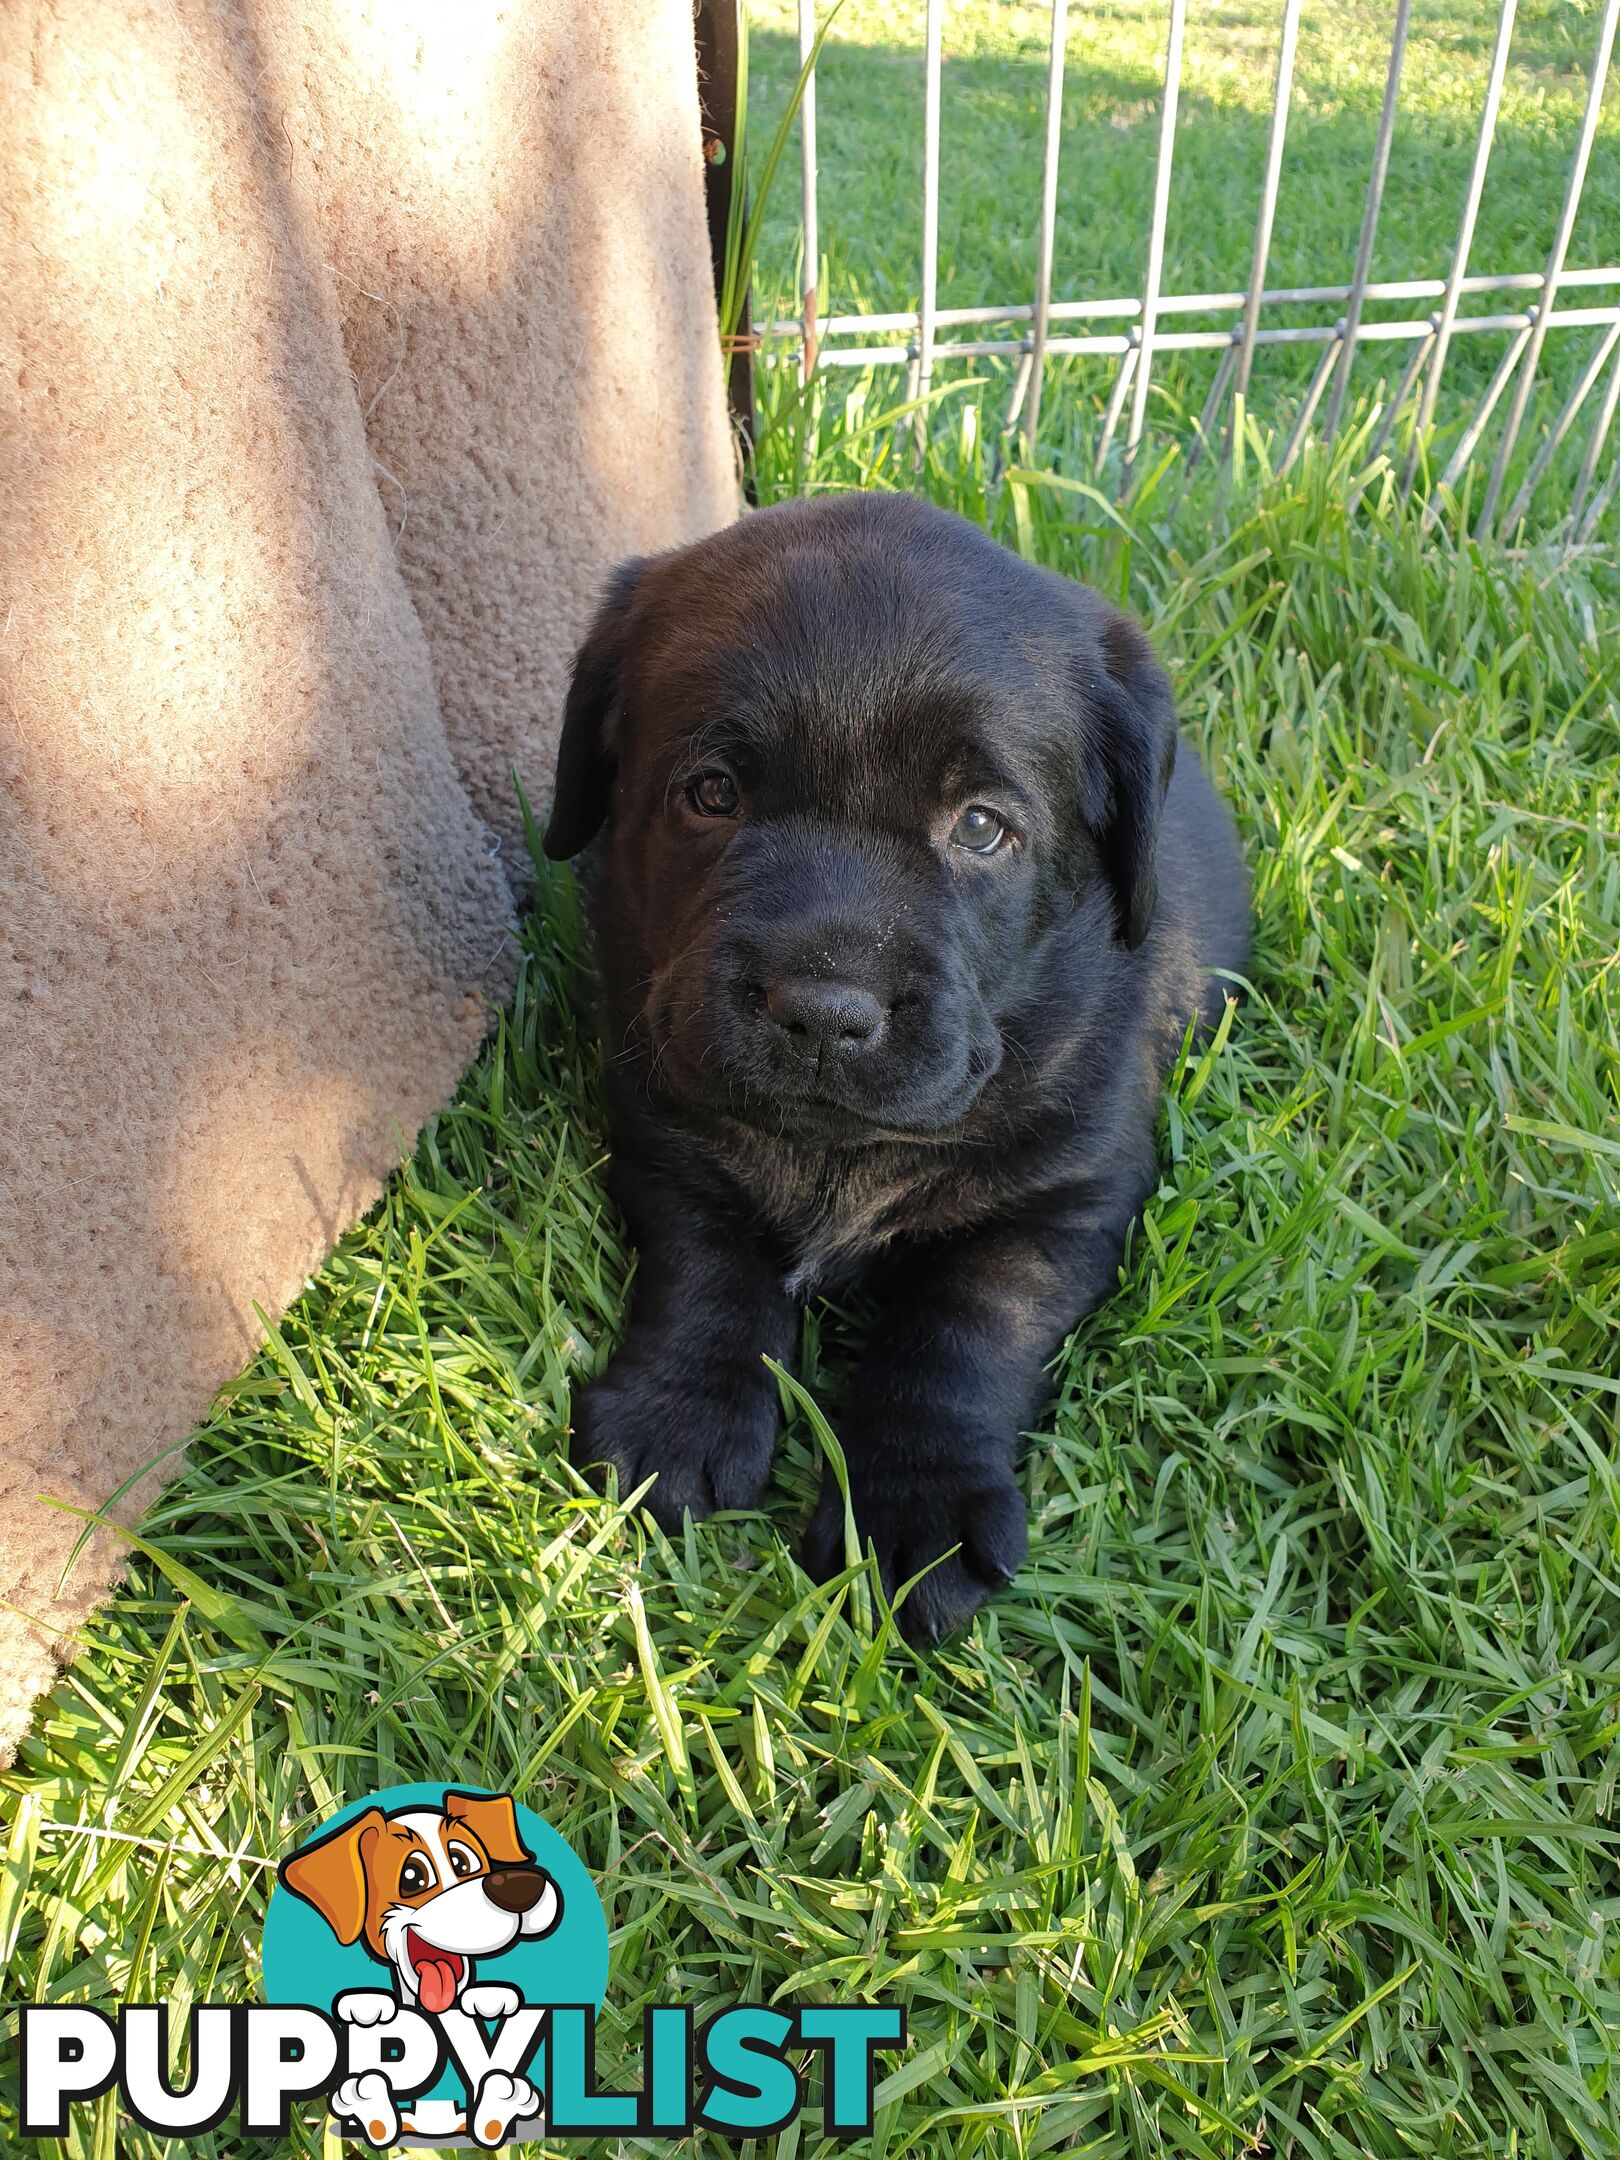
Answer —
(905, 895)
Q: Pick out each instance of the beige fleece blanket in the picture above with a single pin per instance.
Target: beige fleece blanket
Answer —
(343, 344)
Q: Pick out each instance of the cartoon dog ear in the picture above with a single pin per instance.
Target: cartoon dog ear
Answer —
(1130, 716)
(492, 1819)
(585, 761)
(331, 1874)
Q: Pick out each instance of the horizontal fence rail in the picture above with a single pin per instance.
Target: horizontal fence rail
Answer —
(1031, 333)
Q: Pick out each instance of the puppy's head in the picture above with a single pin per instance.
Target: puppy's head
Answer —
(854, 761)
(428, 1889)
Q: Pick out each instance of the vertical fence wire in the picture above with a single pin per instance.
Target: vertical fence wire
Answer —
(1161, 212)
(1471, 201)
(1204, 426)
(1600, 503)
(927, 307)
(1048, 232)
(1476, 426)
(1369, 221)
(1562, 425)
(1594, 449)
(1555, 265)
(1307, 411)
(810, 305)
(1397, 404)
(1268, 208)
(1116, 400)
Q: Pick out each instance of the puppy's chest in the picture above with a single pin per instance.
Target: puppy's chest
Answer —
(831, 1214)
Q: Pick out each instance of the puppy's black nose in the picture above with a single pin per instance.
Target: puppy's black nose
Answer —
(514, 1889)
(825, 1015)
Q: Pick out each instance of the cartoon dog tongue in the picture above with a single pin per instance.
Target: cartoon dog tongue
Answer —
(436, 1983)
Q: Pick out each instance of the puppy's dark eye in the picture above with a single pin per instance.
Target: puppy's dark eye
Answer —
(713, 794)
(978, 830)
(462, 1861)
(413, 1877)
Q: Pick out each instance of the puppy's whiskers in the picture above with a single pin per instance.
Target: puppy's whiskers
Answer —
(1031, 1069)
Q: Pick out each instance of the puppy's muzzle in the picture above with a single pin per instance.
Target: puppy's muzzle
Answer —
(514, 1890)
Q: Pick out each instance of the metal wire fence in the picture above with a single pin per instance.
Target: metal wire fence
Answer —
(1133, 333)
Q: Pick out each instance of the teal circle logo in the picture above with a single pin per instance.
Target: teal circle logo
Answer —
(445, 1900)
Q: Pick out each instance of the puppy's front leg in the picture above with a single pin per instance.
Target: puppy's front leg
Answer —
(956, 1371)
(688, 1395)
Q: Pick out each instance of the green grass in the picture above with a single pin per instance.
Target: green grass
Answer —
(992, 126)
(1273, 1810)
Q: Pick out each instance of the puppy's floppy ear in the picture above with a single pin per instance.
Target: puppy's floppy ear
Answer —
(492, 1819)
(585, 761)
(331, 1874)
(1130, 755)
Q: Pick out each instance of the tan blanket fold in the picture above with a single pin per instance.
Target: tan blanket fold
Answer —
(512, 198)
(249, 922)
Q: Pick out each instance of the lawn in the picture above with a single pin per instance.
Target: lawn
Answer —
(1272, 1811)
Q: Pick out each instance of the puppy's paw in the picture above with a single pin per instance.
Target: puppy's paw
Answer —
(502, 2101)
(911, 1517)
(369, 2101)
(709, 1444)
(490, 1999)
(366, 2006)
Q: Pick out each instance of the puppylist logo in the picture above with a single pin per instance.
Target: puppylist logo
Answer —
(435, 1959)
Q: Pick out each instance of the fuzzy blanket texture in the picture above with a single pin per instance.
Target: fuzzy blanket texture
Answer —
(344, 345)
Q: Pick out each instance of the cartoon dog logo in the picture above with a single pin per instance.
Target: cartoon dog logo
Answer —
(427, 1891)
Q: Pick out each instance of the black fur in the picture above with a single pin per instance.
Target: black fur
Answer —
(840, 1046)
